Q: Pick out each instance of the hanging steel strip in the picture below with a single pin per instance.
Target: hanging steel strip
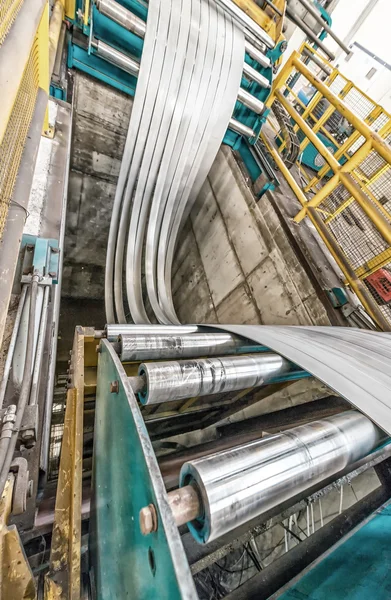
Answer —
(183, 113)
(202, 107)
(354, 363)
(138, 104)
(213, 134)
(161, 51)
(182, 43)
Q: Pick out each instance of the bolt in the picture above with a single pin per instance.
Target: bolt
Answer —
(30, 488)
(148, 519)
(114, 387)
(52, 274)
(54, 250)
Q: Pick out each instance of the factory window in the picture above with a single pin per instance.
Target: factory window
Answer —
(371, 73)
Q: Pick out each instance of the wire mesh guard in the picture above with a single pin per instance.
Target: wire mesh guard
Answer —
(365, 248)
(8, 12)
(12, 144)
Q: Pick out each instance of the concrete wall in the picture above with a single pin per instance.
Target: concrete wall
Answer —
(100, 123)
(235, 263)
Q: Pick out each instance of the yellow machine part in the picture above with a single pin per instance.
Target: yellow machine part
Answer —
(14, 131)
(8, 12)
(350, 196)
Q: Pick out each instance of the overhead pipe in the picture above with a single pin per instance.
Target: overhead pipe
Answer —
(312, 10)
(225, 490)
(168, 381)
(292, 16)
(135, 347)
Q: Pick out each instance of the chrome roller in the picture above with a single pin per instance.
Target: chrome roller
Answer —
(237, 485)
(177, 380)
(135, 347)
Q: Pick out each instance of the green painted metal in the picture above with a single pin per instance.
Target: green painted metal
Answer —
(359, 568)
(126, 477)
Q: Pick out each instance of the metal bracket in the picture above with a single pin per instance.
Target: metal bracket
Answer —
(41, 255)
(21, 486)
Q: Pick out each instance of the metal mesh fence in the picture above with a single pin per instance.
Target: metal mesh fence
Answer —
(8, 12)
(12, 144)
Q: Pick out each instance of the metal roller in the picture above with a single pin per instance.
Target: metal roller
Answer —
(113, 56)
(255, 76)
(250, 101)
(161, 346)
(256, 54)
(177, 380)
(241, 128)
(113, 331)
(122, 16)
(237, 485)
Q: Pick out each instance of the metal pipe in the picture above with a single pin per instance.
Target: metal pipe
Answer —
(312, 10)
(160, 346)
(54, 32)
(239, 127)
(250, 101)
(122, 16)
(113, 331)
(113, 56)
(316, 60)
(240, 484)
(292, 16)
(40, 348)
(256, 54)
(11, 348)
(7, 455)
(47, 412)
(255, 76)
(176, 380)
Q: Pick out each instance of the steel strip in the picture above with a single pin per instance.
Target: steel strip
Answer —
(204, 104)
(142, 86)
(149, 100)
(181, 42)
(173, 151)
(359, 377)
(224, 103)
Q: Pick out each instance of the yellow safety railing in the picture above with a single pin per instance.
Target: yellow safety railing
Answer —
(15, 124)
(349, 197)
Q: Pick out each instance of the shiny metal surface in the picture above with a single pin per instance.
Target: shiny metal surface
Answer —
(355, 363)
(255, 76)
(250, 101)
(135, 347)
(168, 381)
(207, 128)
(240, 484)
(256, 54)
(40, 348)
(246, 21)
(122, 16)
(113, 56)
(240, 128)
(115, 330)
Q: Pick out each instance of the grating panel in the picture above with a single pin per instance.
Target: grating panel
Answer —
(8, 12)
(14, 138)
